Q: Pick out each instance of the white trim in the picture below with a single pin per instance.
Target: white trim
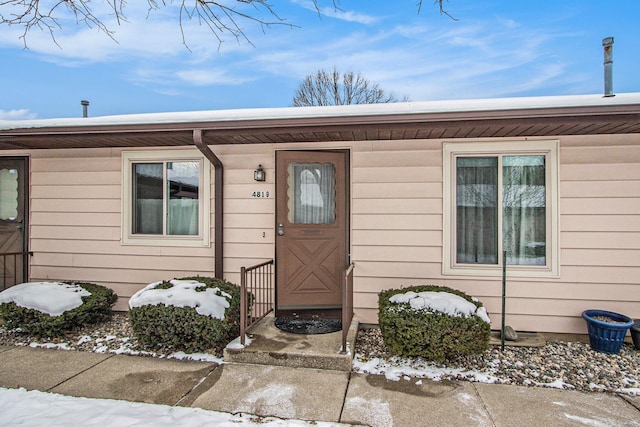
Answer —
(551, 149)
(204, 215)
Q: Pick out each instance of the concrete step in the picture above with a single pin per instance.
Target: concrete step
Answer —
(271, 346)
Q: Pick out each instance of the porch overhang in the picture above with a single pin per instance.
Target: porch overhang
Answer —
(518, 117)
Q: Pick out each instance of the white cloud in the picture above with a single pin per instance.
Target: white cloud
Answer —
(426, 62)
(20, 114)
(337, 12)
(201, 77)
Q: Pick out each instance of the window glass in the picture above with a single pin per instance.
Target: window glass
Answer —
(183, 180)
(311, 193)
(147, 198)
(168, 189)
(477, 214)
(8, 194)
(522, 211)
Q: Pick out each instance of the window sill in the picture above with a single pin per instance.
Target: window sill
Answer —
(166, 241)
(496, 271)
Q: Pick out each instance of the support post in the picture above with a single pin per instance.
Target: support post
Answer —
(504, 296)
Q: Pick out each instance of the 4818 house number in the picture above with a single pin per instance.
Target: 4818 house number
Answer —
(260, 194)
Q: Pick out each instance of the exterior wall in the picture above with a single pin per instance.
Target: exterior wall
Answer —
(76, 227)
(396, 227)
(397, 233)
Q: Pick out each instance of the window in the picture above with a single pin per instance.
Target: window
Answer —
(165, 198)
(311, 193)
(501, 197)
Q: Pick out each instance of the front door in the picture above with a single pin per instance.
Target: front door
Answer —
(13, 218)
(311, 229)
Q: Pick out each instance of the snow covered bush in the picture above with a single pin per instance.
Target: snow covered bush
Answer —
(49, 309)
(434, 322)
(193, 314)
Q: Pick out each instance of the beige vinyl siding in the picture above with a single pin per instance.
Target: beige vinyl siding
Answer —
(396, 227)
(248, 221)
(397, 233)
(75, 226)
(396, 218)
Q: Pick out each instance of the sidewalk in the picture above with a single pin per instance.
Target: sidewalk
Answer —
(308, 394)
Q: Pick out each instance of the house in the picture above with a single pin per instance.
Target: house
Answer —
(411, 193)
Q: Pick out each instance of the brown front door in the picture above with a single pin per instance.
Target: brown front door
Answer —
(13, 220)
(311, 228)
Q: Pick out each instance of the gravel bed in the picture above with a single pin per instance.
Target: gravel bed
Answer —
(571, 365)
(112, 336)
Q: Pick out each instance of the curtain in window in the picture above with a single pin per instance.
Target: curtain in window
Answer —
(181, 198)
(524, 216)
(311, 193)
(476, 210)
(523, 211)
(183, 180)
(147, 198)
(8, 194)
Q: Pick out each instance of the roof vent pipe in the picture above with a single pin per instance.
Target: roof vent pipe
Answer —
(85, 108)
(607, 43)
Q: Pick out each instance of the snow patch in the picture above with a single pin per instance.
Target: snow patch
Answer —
(36, 408)
(587, 421)
(397, 367)
(236, 344)
(212, 302)
(52, 298)
(442, 302)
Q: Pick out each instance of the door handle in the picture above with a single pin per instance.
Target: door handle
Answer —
(19, 226)
(280, 229)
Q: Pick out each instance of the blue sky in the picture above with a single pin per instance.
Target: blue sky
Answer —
(496, 48)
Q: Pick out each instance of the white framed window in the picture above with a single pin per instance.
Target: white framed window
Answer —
(165, 198)
(501, 197)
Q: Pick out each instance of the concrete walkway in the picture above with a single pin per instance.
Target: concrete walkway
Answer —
(308, 394)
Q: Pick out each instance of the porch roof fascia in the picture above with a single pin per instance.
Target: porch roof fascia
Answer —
(625, 108)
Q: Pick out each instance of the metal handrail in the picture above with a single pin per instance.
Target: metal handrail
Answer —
(25, 263)
(256, 282)
(347, 305)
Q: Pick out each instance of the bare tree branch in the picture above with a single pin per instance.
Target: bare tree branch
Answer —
(221, 17)
(440, 4)
(334, 88)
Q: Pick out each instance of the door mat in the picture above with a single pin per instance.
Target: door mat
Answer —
(296, 325)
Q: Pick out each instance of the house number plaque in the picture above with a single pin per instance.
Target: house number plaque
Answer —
(260, 194)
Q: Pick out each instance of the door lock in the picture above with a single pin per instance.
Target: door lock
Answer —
(280, 229)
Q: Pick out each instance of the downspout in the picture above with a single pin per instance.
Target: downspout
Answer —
(218, 196)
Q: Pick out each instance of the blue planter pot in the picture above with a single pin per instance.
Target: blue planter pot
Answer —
(606, 337)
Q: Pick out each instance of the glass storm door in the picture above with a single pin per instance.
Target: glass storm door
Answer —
(13, 221)
(311, 229)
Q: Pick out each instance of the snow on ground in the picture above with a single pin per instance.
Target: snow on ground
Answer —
(397, 368)
(36, 408)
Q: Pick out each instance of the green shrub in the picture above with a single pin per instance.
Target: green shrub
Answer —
(94, 308)
(408, 331)
(183, 328)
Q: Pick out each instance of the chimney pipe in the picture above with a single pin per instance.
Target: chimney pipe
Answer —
(85, 108)
(607, 43)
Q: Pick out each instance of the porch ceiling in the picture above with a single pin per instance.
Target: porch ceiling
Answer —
(512, 123)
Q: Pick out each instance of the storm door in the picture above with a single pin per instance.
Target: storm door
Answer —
(13, 221)
(311, 229)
